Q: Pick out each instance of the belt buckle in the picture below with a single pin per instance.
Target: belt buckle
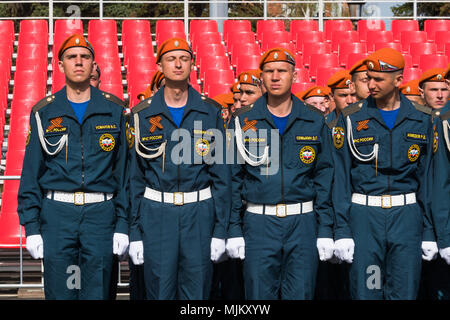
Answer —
(383, 201)
(281, 210)
(78, 198)
(178, 198)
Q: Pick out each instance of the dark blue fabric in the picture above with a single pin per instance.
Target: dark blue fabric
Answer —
(280, 122)
(177, 114)
(389, 117)
(79, 109)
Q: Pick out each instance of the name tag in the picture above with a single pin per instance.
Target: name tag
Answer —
(55, 131)
(309, 139)
(416, 136)
(106, 128)
(157, 138)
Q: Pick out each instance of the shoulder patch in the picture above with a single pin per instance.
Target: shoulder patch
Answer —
(242, 110)
(43, 102)
(141, 105)
(445, 116)
(332, 123)
(353, 108)
(114, 99)
(312, 108)
(424, 109)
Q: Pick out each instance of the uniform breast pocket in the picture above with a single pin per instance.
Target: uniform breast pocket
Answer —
(364, 145)
(54, 140)
(304, 151)
(414, 145)
(105, 139)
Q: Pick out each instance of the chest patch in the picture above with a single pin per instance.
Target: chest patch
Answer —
(107, 142)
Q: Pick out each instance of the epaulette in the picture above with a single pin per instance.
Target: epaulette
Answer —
(422, 108)
(114, 99)
(242, 110)
(312, 108)
(211, 101)
(355, 107)
(332, 123)
(445, 116)
(141, 105)
(43, 102)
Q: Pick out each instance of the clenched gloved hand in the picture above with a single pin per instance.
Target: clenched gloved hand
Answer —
(344, 249)
(429, 250)
(217, 249)
(445, 254)
(236, 248)
(35, 246)
(120, 244)
(136, 252)
(325, 246)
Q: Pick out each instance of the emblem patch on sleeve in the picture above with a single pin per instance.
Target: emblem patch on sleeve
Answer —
(338, 137)
(130, 135)
(307, 154)
(413, 152)
(435, 141)
(107, 142)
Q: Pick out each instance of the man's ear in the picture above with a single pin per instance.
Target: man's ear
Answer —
(160, 67)
(398, 79)
(422, 93)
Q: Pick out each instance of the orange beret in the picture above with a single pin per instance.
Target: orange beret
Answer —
(235, 88)
(173, 44)
(340, 80)
(75, 40)
(156, 79)
(447, 72)
(315, 91)
(300, 95)
(385, 60)
(250, 77)
(432, 75)
(359, 66)
(410, 88)
(276, 55)
(225, 99)
(147, 93)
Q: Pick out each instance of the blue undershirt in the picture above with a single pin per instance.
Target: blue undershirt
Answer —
(280, 122)
(389, 117)
(177, 114)
(79, 108)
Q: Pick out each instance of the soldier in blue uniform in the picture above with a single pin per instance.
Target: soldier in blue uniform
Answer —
(284, 189)
(72, 198)
(179, 189)
(343, 93)
(383, 180)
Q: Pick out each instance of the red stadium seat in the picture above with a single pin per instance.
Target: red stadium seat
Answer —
(216, 89)
(408, 60)
(441, 38)
(394, 45)
(166, 27)
(7, 30)
(58, 80)
(269, 38)
(302, 75)
(108, 26)
(249, 49)
(447, 49)
(340, 36)
(268, 25)
(374, 37)
(129, 27)
(193, 77)
(240, 38)
(204, 38)
(247, 63)
(408, 37)
(143, 50)
(324, 73)
(34, 26)
(302, 26)
(310, 36)
(428, 61)
(336, 25)
(33, 38)
(68, 26)
(353, 58)
(113, 88)
(328, 60)
(299, 61)
(215, 76)
(31, 91)
(314, 48)
(218, 63)
(33, 51)
(431, 26)
(300, 86)
(416, 49)
(10, 229)
(202, 26)
(363, 26)
(411, 74)
(208, 50)
(235, 26)
(398, 26)
(346, 48)
(165, 35)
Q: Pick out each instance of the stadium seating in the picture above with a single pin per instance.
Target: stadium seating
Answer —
(428, 61)
(408, 37)
(363, 26)
(323, 60)
(268, 25)
(432, 26)
(416, 49)
(235, 26)
(398, 26)
(300, 27)
(336, 25)
(441, 38)
(310, 48)
(324, 73)
(340, 36)
(347, 48)
(411, 74)
(379, 36)
(308, 37)
(300, 86)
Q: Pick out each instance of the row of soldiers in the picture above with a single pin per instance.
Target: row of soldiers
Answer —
(366, 186)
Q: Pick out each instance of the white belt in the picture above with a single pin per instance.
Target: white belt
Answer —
(177, 198)
(79, 198)
(280, 210)
(385, 201)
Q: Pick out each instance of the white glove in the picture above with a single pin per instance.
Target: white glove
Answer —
(35, 246)
(325, 246)
(217, 249)
(344, 249)
(136, 252)
(445, 254)
(429, 250)
(236, 248)
(120, 243)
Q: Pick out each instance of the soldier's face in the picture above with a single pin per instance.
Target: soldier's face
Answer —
(344, 98)
(77, 64)
(237, 102)
(383, 84)
(318, 102)
(361, 81)
(249, 94)
(278, 78)
(435, 94)
(94, 79)
(176, 66)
